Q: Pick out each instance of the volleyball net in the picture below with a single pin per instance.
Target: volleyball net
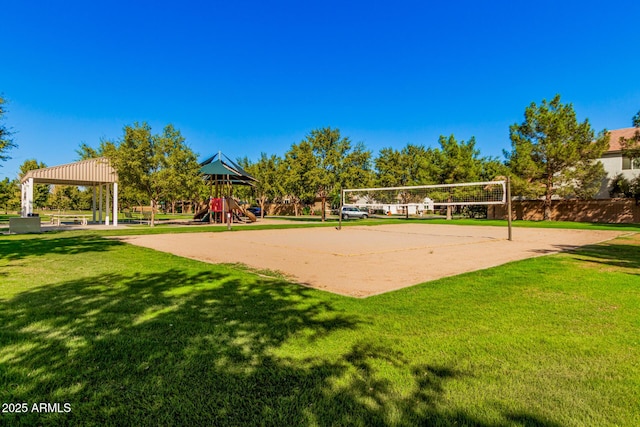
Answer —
(463, 194)
(420, 199)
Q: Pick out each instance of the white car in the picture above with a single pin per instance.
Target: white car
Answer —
(352, 212)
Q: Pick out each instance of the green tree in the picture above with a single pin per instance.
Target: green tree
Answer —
(128, 196)
(152, 166)
(5, 193)
(620, 187)
(413, 165)
(624, 188)
(458, 162)
(329, 149)
(6, 142)
(634, 188)
(553, 154)
(182, 170)
(9, 192)
(390, 170)
(41, 192)
(267, 172)
(334, 162)
(357, 171)
(85, 152)
(493, 169)
(66, 197)
(296, 171)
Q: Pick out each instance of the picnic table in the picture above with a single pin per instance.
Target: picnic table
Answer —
(57, 218)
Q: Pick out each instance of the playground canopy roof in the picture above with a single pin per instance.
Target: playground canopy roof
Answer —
(217, 168)
(85, 173)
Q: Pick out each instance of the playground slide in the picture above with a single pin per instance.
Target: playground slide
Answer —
(234, 206)
(249, 215)
(201, 213)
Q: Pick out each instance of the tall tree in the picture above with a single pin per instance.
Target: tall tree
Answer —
(389, 168)
(493, 169)
(269, 184)
(8, 190)
(458, 161)
(6, 142)
(182, 167)
(153, 166)
(86, 152)
(128, 196)
(296, 172)
(413, 165)
(553, 154)
(334, 162)
(329, 149)
(357, 171)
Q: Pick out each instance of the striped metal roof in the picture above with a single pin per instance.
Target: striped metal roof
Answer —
(86, 172)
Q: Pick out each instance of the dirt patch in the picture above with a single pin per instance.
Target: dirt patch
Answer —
(362, 261)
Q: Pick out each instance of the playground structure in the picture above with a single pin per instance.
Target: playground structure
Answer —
(224, 209)
(223, 174)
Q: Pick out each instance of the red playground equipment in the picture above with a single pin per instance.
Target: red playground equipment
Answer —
(220, 207)
(223, 174)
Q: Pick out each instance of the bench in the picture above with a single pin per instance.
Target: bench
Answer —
(131, 216)
(144, 215)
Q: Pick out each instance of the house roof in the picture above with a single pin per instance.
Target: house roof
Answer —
(616, 134)
(85, 173)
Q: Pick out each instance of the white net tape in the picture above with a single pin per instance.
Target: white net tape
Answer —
(428, 196)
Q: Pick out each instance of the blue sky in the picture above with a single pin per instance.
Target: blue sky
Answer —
(247, 77)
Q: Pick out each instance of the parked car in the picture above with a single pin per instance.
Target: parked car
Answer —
(256, 210)
(353, 212)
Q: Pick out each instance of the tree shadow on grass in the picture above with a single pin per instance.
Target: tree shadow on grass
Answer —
(528, 420)
(18, 248)
(200, 348)
(554, 249)
(613, 253)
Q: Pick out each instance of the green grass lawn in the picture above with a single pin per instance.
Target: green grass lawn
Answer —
(130, 336)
